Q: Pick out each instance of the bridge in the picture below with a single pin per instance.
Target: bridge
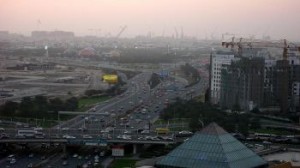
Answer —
(81, 137)
(96, 142)
(88, 142)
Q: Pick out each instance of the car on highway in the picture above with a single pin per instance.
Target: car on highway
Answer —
(87, 137)
(65, 129)
(64, 163)
(68, 137)
(4, 136)
(104, 131)
(127, 132)
(38, 128)
(125, 137)
(155, 138)
(39, 135)
(20, 136)
(13, 161)
(82, 129)
(145, 132)
(141, 138)
(55, 136)
(10, 157)
(184, 133)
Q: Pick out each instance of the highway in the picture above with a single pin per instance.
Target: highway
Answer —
(125, 114)
(118, 120)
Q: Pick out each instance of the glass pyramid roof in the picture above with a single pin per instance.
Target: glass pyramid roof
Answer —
(211, 147)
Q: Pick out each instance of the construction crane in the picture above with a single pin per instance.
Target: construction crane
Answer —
(182, 34)
(252, 43)
(176, 33)
(123, 28)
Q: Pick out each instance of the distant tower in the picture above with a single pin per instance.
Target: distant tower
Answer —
(44, 65)
(46, 48)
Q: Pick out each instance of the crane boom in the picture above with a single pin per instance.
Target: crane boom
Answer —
(176, 32)
(259, 43)
(121, 31)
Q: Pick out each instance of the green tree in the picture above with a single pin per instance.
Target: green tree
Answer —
(26, 107)
(255, 123)
(71, 104)
(56, 105)
(9, 109)
(195, 124)
(41, 103)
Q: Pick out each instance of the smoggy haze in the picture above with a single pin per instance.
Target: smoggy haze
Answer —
(278, 18)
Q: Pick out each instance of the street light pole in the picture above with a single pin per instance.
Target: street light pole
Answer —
(202, 123)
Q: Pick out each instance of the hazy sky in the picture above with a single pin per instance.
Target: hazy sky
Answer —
(278, 18)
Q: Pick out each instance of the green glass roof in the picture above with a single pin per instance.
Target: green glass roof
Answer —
(212, 147)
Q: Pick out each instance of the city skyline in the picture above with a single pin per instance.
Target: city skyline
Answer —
(202, 19)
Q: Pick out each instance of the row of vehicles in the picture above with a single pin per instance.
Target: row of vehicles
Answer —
(274, 138)
(28, 133)
(178, 134)
(11, 159)
(156, 138)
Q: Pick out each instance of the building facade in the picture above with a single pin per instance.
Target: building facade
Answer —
(243, 84)
(218, 61)
(255, 80)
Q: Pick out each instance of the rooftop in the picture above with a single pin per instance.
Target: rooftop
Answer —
(211, 147)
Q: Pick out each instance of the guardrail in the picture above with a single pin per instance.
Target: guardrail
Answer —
(270, 151)
(88, 142)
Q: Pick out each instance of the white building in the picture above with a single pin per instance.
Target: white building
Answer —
(218, 61)
(294, 61)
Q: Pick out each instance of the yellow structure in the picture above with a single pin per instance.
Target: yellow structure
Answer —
(110, 79)
(162, 130)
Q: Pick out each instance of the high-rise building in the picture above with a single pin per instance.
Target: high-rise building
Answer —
(218, 60)
(256, 80)
(269, 96)
(243, 84)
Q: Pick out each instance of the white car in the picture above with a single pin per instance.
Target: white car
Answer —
(185, 133)
(145, 132)
(126, 137)
(65, 129)
(13, 161)
(104, 131)
(68, 137)
(38, 129)
(141, 138)
(127, 132)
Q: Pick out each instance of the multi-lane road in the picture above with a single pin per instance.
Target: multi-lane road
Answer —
(122, 118)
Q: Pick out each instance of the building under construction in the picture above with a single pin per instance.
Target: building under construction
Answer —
(255, 79)
(243, 84)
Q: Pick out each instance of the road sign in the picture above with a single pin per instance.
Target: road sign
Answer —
(164, 73)
(99, 142)
(117, 151)
(74, 141)
(102, 142)
(91, 144)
